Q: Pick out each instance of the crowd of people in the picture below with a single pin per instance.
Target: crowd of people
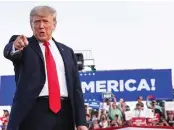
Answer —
(112, 114)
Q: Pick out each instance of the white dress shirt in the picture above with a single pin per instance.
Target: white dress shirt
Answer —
(140, 113)
(60, 69)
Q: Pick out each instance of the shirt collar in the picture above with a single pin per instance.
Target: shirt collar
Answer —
(50, 41)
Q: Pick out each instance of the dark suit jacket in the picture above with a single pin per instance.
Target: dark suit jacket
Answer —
(30, 79)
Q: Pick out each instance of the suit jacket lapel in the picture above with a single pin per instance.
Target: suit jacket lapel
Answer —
(63, 54)
(65, 60)
(35, 45)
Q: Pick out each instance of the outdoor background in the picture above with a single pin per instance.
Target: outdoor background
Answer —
(121, 35)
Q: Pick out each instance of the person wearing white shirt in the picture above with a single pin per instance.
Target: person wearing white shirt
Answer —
(139, 112)
(48, 91)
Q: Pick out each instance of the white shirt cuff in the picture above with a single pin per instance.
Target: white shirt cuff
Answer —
(13, 51)
(13, 48)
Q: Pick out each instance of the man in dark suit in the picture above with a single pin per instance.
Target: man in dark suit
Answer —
(48, 92)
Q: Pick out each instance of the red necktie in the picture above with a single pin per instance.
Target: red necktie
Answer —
(53, 83)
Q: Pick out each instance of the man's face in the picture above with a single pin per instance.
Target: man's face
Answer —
(87, 118)
(153, 106)
(171, 115)
(108, 102)
(139, 107)
(42, 27)
(113, 105)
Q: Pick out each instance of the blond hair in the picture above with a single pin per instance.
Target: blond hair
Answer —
(43, 11)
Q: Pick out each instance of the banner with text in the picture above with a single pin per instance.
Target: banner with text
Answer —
(127, 84)
(7, 90)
